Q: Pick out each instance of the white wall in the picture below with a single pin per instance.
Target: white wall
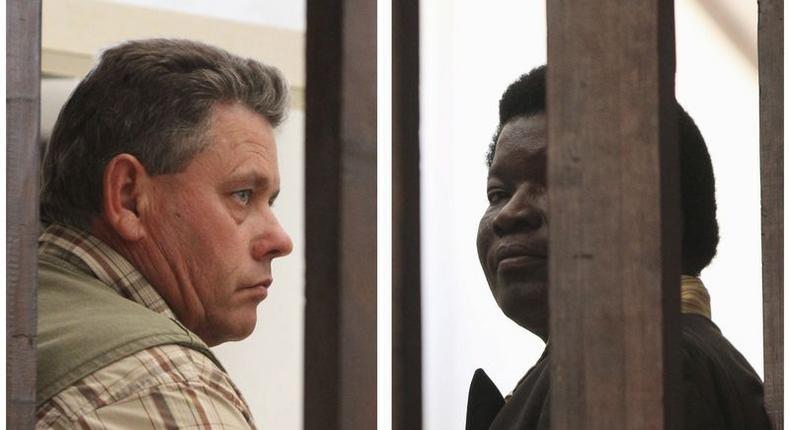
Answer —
(277, 13)
(719, 88)
(470, 52)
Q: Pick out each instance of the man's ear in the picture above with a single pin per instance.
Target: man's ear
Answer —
(124, 183)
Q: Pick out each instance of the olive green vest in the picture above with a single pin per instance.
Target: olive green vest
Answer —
(84, 325)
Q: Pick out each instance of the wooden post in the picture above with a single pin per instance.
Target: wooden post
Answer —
(613, 163)
(23, 66)
(771, 61)
(340, 216)
(406, 314)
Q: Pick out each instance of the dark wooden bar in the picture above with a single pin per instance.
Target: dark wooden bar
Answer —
(614, 265)
(406, 308)
(23, 70)
(340, 216)
(770, 39)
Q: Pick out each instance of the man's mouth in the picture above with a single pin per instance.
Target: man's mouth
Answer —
(519, 257)
(262, 285)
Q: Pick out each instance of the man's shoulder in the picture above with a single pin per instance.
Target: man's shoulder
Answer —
(84, 325)
(157, 384)
(704, 344)
(718, 382)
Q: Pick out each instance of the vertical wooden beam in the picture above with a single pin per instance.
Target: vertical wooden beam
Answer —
(771, 66)
(406, 327)
(340, 215)
(23, 65)
(613, 169)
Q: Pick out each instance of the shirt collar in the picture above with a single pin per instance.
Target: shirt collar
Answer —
(694, 297)
(90, 254)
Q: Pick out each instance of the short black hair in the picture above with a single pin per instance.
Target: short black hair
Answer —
(527, 96)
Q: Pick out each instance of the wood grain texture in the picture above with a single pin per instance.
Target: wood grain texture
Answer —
(771, 60)
(613, 169)
(340, 216)
(406, 285)
(23, 41)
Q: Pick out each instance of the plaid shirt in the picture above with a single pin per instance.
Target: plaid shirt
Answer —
(164, 387)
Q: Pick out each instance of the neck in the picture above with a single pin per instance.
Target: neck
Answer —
(169, 281)
(694, 297)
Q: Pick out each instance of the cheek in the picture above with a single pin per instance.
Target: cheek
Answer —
(206, 216)
(543, 204)
(206, 232)
(485, 234)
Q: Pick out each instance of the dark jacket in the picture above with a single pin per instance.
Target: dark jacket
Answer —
(721, 391)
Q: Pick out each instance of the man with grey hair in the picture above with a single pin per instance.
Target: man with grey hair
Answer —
(157, 192)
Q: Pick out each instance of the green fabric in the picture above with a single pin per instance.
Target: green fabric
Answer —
(84, 325)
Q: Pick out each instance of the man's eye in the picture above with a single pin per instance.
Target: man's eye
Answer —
(243, 196)
(496, 196)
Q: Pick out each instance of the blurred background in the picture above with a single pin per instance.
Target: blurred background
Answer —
(470, 52)
(268, 366)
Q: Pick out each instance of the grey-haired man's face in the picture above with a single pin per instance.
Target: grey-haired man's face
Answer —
(212, 231)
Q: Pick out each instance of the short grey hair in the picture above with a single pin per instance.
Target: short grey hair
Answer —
(152, 99)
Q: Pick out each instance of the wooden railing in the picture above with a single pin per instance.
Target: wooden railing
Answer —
(340, 215)
(23, 66)
(770, 43)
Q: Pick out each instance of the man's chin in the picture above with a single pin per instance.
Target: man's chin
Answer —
(230, 331)
(526, 304)
(244, 329)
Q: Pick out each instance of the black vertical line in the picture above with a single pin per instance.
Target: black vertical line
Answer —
(340, 216)
(670, 210)
(322, 216)
(407, 339)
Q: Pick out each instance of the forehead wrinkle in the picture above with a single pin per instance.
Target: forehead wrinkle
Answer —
(522, 148)
(532, 138)
(519, 132)
(260, 177)
(515, 158)
(233, 132)
(240, 153)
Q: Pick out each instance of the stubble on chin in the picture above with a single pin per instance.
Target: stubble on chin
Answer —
(524, 302)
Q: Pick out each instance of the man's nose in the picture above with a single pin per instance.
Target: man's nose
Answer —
(273, 243)
(520, 213)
